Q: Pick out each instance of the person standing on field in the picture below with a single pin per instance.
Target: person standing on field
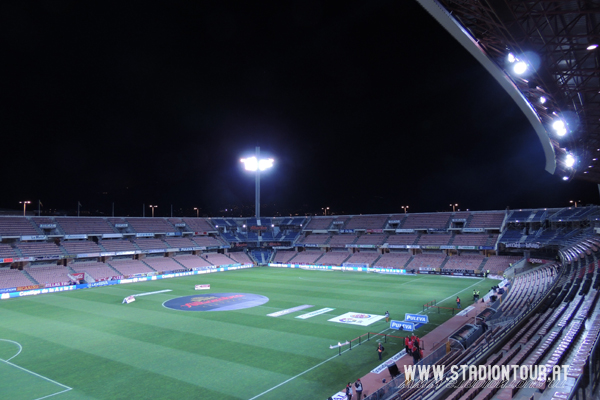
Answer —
(457, 302)
(387, 316)
(380, 350)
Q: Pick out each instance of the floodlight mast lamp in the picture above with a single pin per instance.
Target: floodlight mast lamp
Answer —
(256, 164)
(25, 205)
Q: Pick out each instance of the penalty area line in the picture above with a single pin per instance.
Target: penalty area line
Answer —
(36, 374)
(67, 388)
(54, 394)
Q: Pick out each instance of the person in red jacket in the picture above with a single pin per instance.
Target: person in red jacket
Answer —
(417, 340)
(380, 350)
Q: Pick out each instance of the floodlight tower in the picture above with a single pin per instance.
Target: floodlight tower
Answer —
(256, 164)
(24, 206)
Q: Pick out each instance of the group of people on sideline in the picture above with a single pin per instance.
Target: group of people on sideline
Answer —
(359, 389)
(413, 347)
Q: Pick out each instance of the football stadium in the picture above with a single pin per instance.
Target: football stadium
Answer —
(461, 304)
(226, 308)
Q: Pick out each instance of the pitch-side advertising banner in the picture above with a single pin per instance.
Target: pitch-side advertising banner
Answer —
(395, 271)
(34, 292)
(420, 319)
(402, 326)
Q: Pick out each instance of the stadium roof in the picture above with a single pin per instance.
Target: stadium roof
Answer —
(558, 41)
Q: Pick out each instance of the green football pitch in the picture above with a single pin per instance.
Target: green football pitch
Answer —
(85, 344)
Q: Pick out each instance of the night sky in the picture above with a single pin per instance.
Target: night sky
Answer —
(366, 106)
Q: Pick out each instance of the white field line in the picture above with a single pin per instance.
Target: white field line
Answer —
(304, 372)
(331, 358)
(149, 293)
(53, 394)
(456, 294)
(67, 388)
(335, 315)
(38, 375)
(13, 342)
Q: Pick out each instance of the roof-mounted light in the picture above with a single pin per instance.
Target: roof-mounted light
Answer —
(520, 67)
(569, 160)
(560, 127)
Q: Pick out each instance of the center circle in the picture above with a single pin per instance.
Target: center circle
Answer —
(216, 302)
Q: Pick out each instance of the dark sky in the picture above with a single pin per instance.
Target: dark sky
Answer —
(365, 105)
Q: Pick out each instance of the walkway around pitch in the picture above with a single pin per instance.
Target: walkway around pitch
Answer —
(373, 382)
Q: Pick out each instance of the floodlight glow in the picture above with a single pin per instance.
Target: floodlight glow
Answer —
(569, 160)
(264, 164)
(542, 99)
(511, 58)
(250, 164)
(565, 178)
(520, 67)
(256, 165)
(559, 127)
(592, 47)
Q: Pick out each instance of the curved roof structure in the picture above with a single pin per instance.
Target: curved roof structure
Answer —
(558, 44)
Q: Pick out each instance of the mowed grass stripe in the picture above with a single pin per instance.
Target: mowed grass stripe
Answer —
(250, 350)
(233, 354)
(230, 326)
(16, 384)
(149, 357)
(95, 375)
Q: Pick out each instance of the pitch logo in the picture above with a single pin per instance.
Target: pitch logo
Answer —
(216, 302)
(360, 316)
(348, 320)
